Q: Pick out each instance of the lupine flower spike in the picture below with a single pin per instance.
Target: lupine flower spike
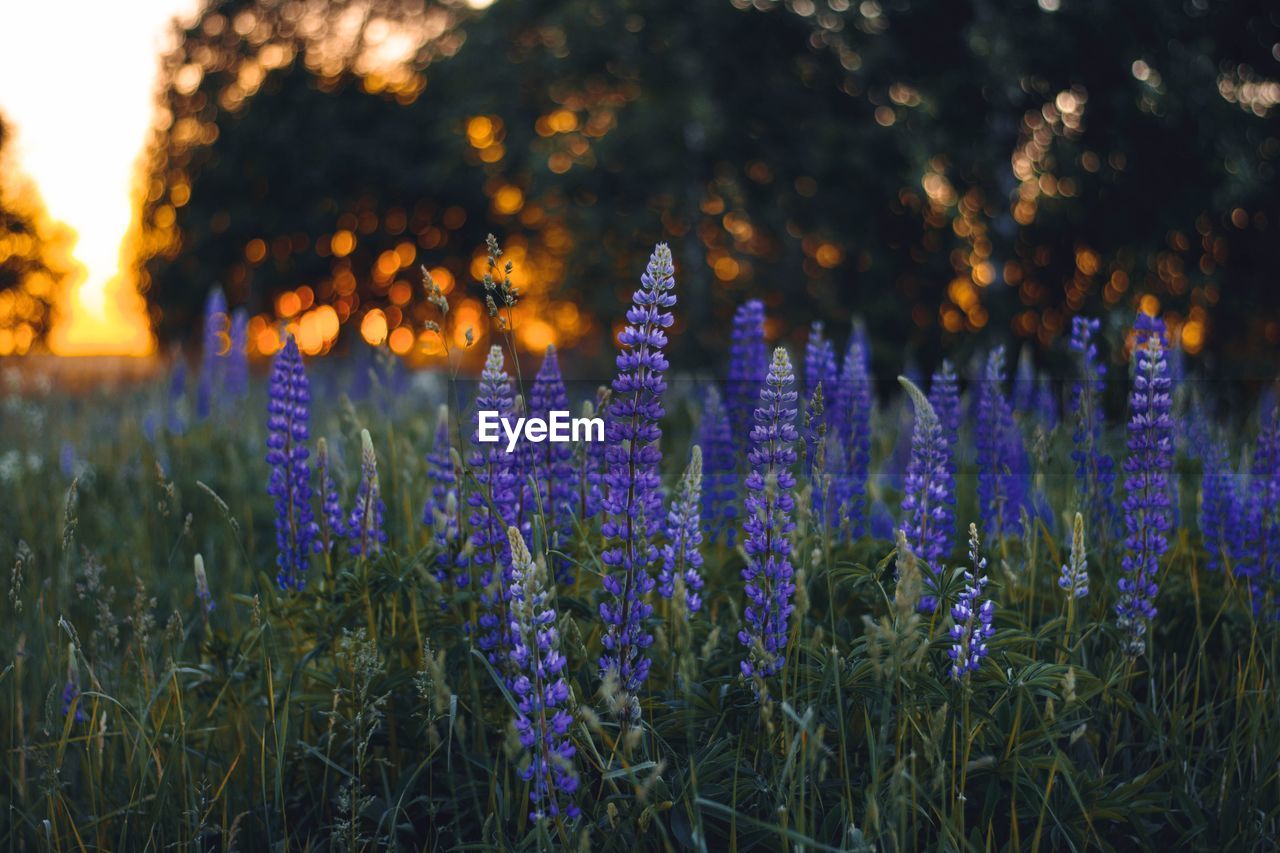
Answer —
(853, 426)
(944, 396)
(551, 464)
(494, 508)
(972, 615)
(542, 722)
(288, 409)
(769, 523)
(1003, 465)
(332, 525)
(719, 471)
(1095, 470)
(441, 513)
(928, 520)
(1075, 572)
(237, 371)
(365, 525)
(1148, 488)
(748, 363)
(1221, 524)
(682, 555)
(632, 502)
(213, 357)
(1261, 540)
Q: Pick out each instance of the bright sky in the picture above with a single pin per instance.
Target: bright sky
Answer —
(77, 84)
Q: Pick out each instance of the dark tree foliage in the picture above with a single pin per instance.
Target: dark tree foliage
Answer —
(945, 170)
(33, 259)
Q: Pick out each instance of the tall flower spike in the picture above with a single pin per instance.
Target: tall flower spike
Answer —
(1003, 466)
(1024, 382)
(770, 522)
(852, 418)
(1221, 526)
(748, 363)
(682, 556)
(332, 525)
(1075, 572)
(944, 396)
(213, 356)
(551, 464)
(1047, 409)
(1148, 488)
(288, 410)
(494, 505)
(972, 615)
(1095, 470)
(819, 362)
(542, 722)
(365, 525)
(929, 489)
(237, 371)
(1261, 559)
(441, 513)
(719, 471)
(632, 501)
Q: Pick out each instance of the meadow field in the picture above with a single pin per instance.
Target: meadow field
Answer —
(784, 605)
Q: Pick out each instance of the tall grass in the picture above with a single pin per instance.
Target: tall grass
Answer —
(357, 714)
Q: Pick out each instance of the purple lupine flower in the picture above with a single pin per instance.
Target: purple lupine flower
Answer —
(972, 615)
(542, 721)
(1221, 526)
(67, 463)
(1003, 466)
(494, 507)
(748, 362)
(944, 396)
(632, 501)
(288, 409)
(719, 471)
(1075, 572)
(881, 523)
(332, 524)
(69, 695)
(820, 366)
(441, 513)
(1261, 551)
(682, 556)
(852, 418)
(1148, 487)
(929, 489)
(769, 523)
(203, 594)
(237, 371)
(364, 527)
(1024, 382)
(820, 371)
(1046, 407)
(1095, 470)
(551, 464)
(213, 356)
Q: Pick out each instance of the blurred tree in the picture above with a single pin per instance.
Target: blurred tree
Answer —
(34, 258)
(941, 169)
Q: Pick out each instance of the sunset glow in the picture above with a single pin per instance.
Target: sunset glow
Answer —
(80, 106)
